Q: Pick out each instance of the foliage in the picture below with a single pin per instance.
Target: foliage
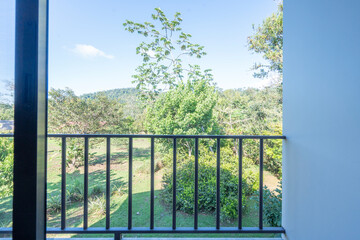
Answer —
(6, 111)
(272, 205)
(97, 205)
(163, 66)
(75, 192)
(128, 97)
(6, 166)
(273, 153)
(254, 112)
(268, 40)
(69, 113)
(53, 204)
(207, 183)
(184, 110)
(122, 95)
(7, 92)
(97, 191)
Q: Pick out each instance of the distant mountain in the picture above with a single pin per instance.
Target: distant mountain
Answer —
(123, 95)
(126, 96)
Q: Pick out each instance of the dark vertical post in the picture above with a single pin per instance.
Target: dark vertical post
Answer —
(63, 182)
(152, 170)
(86, 182)
(30, 120)
(240, 152)
(218, 183)
(196, 193)
(174, 186)
(130, 183)
(261, 184)
(117, 236)
(108, 154)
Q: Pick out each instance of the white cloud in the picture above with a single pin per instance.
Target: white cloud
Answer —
(89, 51)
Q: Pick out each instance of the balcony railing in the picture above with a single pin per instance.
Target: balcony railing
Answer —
(117, 231)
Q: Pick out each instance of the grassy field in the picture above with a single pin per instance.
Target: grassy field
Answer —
(119, 188)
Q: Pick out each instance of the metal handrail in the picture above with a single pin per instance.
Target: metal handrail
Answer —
(117, 231)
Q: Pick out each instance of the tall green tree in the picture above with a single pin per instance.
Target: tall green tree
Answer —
(164, 55)
(6, 166)
(268, 41)
(185, 110)
(69, 113)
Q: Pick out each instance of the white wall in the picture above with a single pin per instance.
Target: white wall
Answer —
(321, 181)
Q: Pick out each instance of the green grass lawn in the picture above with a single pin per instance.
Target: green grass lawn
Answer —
(119, 197)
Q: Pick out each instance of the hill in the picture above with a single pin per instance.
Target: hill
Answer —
(123, 95)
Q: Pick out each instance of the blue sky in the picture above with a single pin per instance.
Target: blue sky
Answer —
(89, 49)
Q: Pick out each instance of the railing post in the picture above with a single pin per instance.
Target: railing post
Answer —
(152, 170)
(86, 182)
(108, 155)
(261, 183)
(218, 183)
(196, 192)
(240, 152)
(118, 236)
(63, 183)
(174, 186)
(130, 183)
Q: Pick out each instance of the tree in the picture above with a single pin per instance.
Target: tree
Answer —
(268, 41)
(69, 113)
(184, 110)
(6, 166)
(163, 66)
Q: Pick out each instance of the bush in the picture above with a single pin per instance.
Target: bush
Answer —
(273, 157)
(6, 166)
(118, 189)
(207, 184)
(75, 193)
(54, 204)
(97, 205)
(272, 206)
(97, 191)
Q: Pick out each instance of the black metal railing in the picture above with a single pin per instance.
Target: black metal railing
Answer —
(117, 231)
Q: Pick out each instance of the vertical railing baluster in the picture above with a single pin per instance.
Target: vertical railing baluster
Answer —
(108, 155)
(240, 152)
(261, 184)
(86, 181)
(130, 183)
(218, 183)
(63, 183)
(174, 186)
(152, 170)
(196, 193)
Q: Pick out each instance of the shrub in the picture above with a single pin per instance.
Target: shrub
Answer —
(54, 204)
(97, 191)
(207, 184)
(272, 206)
(118, 189)
(6, 166)
(97, 205)
(273, 157)
(75, 192)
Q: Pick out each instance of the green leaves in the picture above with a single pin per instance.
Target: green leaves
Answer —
(69, 113)
(268, 41)
(185, 109)
(6, 166)
(163, 54)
